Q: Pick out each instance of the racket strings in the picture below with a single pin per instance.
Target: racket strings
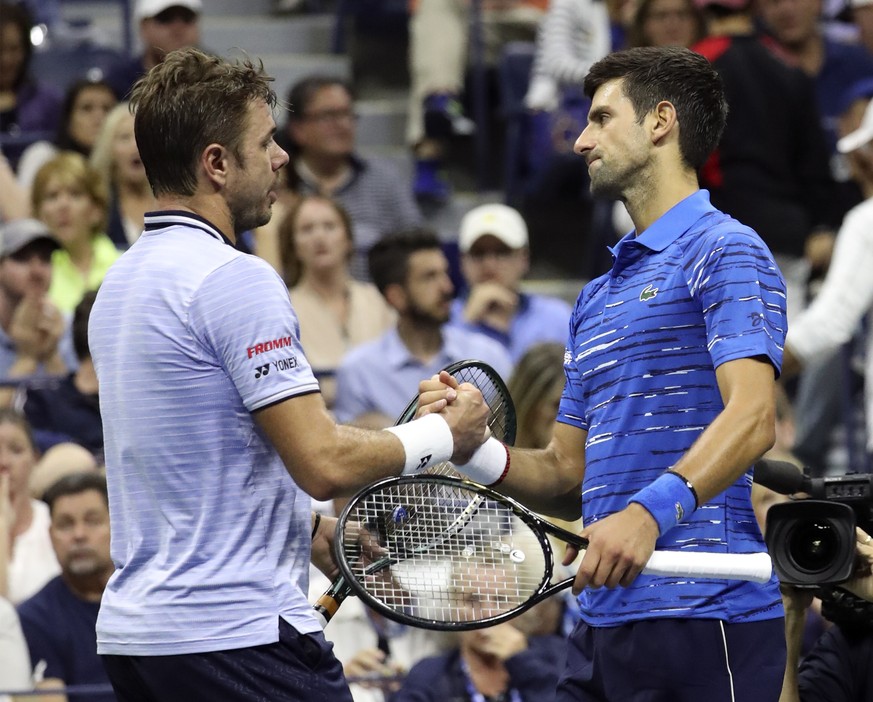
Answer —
(444, 554)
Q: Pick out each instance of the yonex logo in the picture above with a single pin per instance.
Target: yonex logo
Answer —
(648, 293)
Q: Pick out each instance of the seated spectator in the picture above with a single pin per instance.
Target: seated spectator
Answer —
(536, 385)
(164, 26)
(116, 158)
(770, 170)
(667, 23)
(14, 662)
(59, 621)
(68, 195)
(439, 40)
(68, 410)
(32, 328)
(377, 379)
(85, 108)
(336, 312)
(26, 106)
(494, 259)
(33, 562)
(321, 129)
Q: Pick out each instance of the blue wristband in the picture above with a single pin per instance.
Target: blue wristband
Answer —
(668, 499)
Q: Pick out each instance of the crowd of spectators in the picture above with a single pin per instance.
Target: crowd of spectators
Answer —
(378, 301)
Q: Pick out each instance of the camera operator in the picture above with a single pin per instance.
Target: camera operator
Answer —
(840, 666)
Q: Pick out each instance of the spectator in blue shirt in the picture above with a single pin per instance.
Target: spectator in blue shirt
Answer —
(376, 380)
(494, 259)
(59, 621)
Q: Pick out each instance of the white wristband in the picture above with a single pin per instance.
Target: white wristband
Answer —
(488, 465)
(426, 441)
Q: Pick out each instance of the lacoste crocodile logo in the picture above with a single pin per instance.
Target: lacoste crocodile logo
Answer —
(648, 293)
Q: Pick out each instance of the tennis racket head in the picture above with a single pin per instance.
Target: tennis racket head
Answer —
(441, 553)
(501, 418)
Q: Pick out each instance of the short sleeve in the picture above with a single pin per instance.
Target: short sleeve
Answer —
(242, 315)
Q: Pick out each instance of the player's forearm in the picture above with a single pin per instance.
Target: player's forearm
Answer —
(545, 481)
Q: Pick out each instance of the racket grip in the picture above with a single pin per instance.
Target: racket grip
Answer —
(756, 567)
(328, 604)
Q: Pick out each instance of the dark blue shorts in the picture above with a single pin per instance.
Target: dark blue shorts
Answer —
(299, 668)
(675, 660)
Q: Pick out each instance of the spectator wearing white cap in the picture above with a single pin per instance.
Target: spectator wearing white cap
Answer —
(846, 296)
(494, 259)
(164, 26)
(32, 329)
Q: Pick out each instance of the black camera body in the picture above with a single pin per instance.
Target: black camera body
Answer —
(812, 541)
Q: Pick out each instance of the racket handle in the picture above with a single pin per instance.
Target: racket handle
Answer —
(328, 604)
(756, 567)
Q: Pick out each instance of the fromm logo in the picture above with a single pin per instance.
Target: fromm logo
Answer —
(263, 347)
(648, 293)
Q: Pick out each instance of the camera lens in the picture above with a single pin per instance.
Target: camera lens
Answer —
(812, 545)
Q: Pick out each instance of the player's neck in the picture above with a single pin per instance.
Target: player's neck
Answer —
(649, 204)
(212, 208)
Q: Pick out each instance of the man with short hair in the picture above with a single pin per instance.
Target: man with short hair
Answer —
(164, 26)
(671, 362)
(322, 131)
(58, 621)
(494, 260)
(215, 432)
(377, 379)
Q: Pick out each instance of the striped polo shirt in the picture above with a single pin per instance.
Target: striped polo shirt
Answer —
(210, 535)
(695, 290)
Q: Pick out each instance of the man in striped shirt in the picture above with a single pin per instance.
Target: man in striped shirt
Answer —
(215, 432)
(671, 362)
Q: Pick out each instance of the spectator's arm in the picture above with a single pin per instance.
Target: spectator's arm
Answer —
(13, 198)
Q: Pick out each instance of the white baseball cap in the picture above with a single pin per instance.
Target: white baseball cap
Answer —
(149, 8)
(862, 135)
(500, 221)
(860, 3)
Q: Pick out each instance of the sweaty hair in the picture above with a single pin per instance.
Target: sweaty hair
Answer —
(389, 257)
(680, 76)
(75, 484)
(185, 103)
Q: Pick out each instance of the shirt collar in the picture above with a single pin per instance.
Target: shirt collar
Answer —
(673, 223)
(163, 219)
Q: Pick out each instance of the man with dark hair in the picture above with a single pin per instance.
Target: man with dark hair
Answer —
(321, 130)
(216, 434)
(671, 363)
(58, 621)
(375, 380)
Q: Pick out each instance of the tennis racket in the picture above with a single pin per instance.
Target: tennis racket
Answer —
(501, 422)
(442, 553)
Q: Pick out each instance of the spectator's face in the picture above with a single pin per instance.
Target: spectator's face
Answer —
(17, 458)
(670, 23)
(127, 165)
(174, 28)
(791, 21)
(490, 260)
(27, 271)
(321, 242)
(327, 126)
(428, 291)
(252, 180)
(615, 145)
(90, 108)
(80, 534)
(11, 55)
(68, 211)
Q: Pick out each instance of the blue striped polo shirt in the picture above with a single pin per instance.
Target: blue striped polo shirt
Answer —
(695, 290)
(210, 535)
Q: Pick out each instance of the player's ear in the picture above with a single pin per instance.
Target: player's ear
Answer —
(662, 121)
(214, 163)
